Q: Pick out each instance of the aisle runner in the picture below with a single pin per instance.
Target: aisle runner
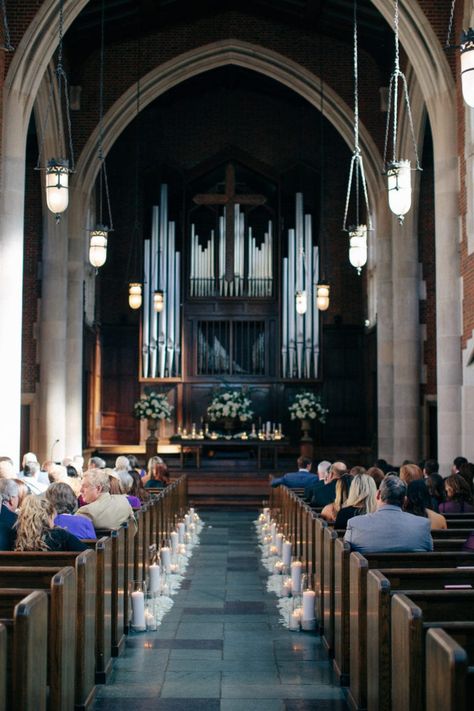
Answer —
(295, 598)
(154, 598)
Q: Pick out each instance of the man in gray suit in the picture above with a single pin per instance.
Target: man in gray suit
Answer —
(389, 529)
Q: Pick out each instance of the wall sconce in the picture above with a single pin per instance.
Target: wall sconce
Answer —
(322, 296)
(134, 295)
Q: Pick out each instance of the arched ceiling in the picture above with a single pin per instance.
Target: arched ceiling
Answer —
(333, 18)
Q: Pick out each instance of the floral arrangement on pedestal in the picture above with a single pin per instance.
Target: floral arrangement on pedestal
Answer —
(307, 406)
(230, 404)
(153, 406)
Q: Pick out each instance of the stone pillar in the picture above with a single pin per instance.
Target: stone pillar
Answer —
(448, 287)
(467, 445)
(52, 341)
(406, 337)
(384, 290)
(12, 197)
(75, 322)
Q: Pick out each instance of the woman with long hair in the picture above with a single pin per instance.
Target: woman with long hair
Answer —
(157, 474)
(343, 485)
(435, 484)
(36, 530)
(65, 504)
(458, 496)
(418, 502)
(361, 500)
(410, 472)
(23, 491)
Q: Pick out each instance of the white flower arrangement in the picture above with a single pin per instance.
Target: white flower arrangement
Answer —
(230, 403)
(307, 406)
(153, 406)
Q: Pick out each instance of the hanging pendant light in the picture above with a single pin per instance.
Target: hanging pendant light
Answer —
(58, 169)
(158, 300)
(99, 234)
(358, 247)
(467, 66)
(57, 186)
(357, 234)
(301, 302)
(398, 170)
(322, 296)
(98, 246)
(134, 295)
(399, 187)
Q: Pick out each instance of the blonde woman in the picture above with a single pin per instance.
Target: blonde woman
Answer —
(330, 511)
(361, 500)
(36, 530)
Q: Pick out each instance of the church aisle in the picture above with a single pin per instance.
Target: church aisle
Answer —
(221, 647)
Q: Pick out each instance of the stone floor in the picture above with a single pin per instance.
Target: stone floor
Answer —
(221, 647)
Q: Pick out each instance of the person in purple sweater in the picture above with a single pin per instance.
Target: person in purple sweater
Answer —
(458, 496)
(64, 501)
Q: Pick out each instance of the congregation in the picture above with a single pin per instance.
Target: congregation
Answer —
(53, 506)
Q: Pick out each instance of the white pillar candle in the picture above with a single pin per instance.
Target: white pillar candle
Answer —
(308, 605)
(191, 511)
(138, 611)
(296, 577)
(155, 578)
(279, 544)
(165, 556)
(150, 620)
(287, 587)
(295, 619)
(273, 530)
(182, 549)
(286, 554)
(181, 531)
(174, 541)
(187, 520)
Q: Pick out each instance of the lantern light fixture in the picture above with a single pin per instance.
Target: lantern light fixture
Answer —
(99, 234)
(397, 169)
(58, 169)
(301, 302)
(322, 296)
(467, 66)
(98, 246)
(158, 300)
(358, 247)
(357, 234)
(134, 295)
(466, 48)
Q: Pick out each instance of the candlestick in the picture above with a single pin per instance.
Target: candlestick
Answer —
(155, 578)
(138, 611)
(296, 577)
(165, 555)
(286, 554)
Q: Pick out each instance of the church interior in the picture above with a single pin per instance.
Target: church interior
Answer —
(233, 234)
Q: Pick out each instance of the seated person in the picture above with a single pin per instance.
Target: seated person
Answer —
(117, 486)
(376, 474)
(410, 472)
(64, 501)
(326, 494)
(458, 496)
(32, 480)
(323, 471)
(418, 502)
(8, 517)
(297, 480)
(389, 528)
(36, 530)
(102, 508)
(361, 499)
(157, 475)
(330, 511)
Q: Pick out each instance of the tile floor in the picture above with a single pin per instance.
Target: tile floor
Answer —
(221, 647)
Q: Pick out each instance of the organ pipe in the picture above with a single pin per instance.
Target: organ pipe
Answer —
(161, 332)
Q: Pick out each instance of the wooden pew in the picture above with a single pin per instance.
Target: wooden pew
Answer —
(85, 567)
(117, 538)
(450, 533)
(103, 608)
(411, 618)
(60, 585)
(319, 526)
(372, 672)
(449, 670)
(3, 667)
(26, 622)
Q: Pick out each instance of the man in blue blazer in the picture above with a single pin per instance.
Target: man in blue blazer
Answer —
(389, 529)
(300, 479)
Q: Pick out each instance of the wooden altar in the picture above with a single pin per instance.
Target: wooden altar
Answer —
(256, 448)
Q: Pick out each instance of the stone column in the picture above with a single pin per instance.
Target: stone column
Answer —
(52, 341)
(384, 291)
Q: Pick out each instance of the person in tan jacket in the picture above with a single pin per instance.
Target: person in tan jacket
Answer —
(102, 508)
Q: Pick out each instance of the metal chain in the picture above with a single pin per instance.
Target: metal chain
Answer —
(60, 33)
(356, 82)
(103, 181)
(450, 26)
(7, 45)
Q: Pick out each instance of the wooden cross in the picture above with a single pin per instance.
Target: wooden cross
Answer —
(230, 200)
